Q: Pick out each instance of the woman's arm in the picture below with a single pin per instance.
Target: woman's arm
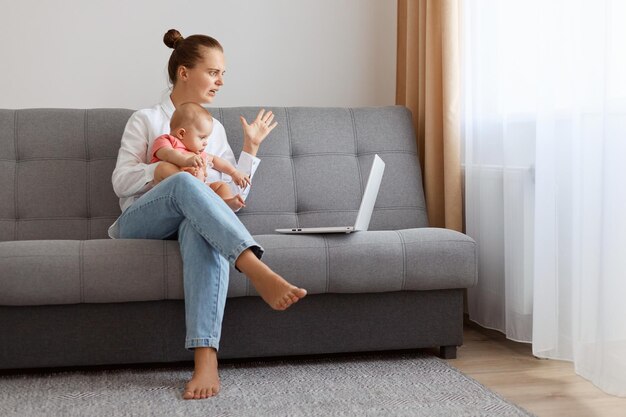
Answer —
(132, 174)
(247, 163)
(254, 134)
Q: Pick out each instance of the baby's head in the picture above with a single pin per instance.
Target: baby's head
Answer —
(192, 124)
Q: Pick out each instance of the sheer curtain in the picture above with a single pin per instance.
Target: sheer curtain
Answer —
(544, 144)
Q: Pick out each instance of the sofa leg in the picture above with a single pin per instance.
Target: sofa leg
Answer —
(447, 352)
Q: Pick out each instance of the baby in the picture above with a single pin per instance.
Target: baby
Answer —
(183, 150)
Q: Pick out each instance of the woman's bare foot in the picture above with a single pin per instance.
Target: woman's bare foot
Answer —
(273, 288)
(205, 381)
(277, 292)
(235, 203)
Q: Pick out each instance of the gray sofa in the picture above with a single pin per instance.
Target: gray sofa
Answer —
(70, 296)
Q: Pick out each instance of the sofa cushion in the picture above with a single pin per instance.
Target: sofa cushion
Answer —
(315, 165)
(125, 270)
(56, 166)
(55, 172)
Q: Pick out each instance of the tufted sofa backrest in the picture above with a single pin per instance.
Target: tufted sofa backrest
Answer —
(56, 165)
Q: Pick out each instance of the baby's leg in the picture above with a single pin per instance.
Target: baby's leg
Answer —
(223, 190)
(164, 170)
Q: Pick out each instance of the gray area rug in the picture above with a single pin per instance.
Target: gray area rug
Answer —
(386, 384)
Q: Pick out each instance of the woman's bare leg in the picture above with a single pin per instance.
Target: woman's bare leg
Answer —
(273, 288)
(276, 292)
(200, 203)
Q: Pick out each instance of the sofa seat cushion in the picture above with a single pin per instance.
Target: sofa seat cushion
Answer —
(41, 272)
(372, 261)
(125, 270)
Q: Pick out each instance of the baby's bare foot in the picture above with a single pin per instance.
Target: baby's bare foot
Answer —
(277, 292)
(205, 382)
(235, 203)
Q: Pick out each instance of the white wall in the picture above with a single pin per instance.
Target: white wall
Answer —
(110, 53)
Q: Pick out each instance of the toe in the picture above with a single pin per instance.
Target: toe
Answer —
(188, 395)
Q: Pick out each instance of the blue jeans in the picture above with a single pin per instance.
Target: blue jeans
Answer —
(210, 237)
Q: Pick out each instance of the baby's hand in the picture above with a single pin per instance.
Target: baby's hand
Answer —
(241, 179)
(195, 161)
(193, 171)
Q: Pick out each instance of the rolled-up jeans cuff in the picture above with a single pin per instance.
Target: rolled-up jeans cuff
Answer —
(248, 244)
(191, 344)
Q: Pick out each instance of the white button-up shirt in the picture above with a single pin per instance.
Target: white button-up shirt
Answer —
(134, 174)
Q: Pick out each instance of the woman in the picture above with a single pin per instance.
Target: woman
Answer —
(209, 233)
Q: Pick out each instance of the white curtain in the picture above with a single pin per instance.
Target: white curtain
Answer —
(544, 136)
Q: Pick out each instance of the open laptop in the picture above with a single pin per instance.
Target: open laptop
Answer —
(365, 210)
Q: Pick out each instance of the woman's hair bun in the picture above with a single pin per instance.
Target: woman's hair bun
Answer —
(172, 37)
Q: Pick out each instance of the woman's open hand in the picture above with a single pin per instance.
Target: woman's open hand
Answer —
(255, 132)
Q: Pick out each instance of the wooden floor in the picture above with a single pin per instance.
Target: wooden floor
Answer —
(546, 388)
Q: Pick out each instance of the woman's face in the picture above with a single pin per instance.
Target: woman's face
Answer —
(203, 81)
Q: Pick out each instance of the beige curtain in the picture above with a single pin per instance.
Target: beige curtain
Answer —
(428, 83)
